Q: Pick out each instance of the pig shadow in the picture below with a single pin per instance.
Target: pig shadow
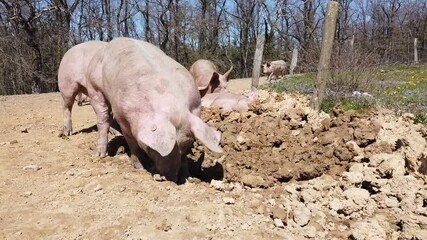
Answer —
(118, 145)
(205, 174)
(93, 128)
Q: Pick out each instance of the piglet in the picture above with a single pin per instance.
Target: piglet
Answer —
(228, 102)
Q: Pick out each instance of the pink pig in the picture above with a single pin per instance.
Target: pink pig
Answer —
(228, 101)
(276, 69)
(207, 78)
(155, 101)
(72, 76)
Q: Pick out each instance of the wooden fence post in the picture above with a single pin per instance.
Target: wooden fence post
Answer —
(293, 61)
(416, 51)
(323, 69)
(257, 61)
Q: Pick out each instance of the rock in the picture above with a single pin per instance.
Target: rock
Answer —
(122, 189)
(336, 205)
(416, 234)
(158, 178)
(409, 117)
(355, 148)
(327, 138)
(309, 232)
(24, 130)
(97, 188)
(241, 139)
(217, 184)
(357, 195)
(390, 165)
(356, 167)
(253, 181)
(367, 230)
(13, 142)
(302, 216)
(228, 200)
(279, 213)
(310, 195)
(278, 223)
(353, 177)
(32, 167)
(27, 194)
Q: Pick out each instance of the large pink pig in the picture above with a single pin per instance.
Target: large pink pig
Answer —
(72, 76)
(207, 78)
(155, 101)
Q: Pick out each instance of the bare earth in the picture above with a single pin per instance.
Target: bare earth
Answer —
(286, 173)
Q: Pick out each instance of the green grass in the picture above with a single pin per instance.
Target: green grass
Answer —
(401, 88)
(300, 83)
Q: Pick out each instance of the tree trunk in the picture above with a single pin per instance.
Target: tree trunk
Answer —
(323, 68)
(257, 60)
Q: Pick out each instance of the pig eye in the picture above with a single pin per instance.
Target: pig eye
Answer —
(268, 65)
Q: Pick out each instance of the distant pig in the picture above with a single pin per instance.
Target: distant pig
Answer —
(276, 69)
(228, 102)
(72, 76)
(207, 78)
(155, 101)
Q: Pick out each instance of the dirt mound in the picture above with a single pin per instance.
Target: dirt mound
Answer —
(372, 183)
(281, 138)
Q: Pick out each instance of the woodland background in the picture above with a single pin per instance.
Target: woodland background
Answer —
(34, 35)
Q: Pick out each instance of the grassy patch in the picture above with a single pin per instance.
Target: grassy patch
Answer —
(401, 88)
(300, 83)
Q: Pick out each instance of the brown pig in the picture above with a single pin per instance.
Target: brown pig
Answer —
(72, 76)
(207, 78)
(155, 101)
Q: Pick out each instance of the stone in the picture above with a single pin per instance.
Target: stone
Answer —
(358, 195)
(228, 200)
(367, 230)
(278, 223)
(353, 177)
(310, 195)
(302, 216)
(253, 181)
(32, 167)
(217, 184)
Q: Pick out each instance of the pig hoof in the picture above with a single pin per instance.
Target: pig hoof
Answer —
(137, 164)
(67, 132)
(101, 153)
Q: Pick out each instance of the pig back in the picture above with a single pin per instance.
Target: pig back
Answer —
(75, 62)
(138, 71)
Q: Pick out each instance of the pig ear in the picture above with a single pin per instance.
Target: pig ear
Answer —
(157, 133)
(208, 136)
(205, 80)
(227, 74)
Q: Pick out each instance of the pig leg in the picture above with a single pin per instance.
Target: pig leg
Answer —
(68, 102)
(184, 173)
(168, 166)
(102, 111)
(134, 153)
(269, 78)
